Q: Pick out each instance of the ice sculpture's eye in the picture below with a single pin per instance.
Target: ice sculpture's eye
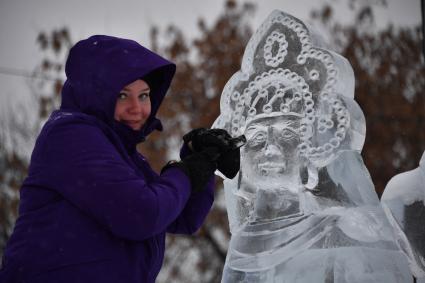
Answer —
(288, 134)
(258, 139)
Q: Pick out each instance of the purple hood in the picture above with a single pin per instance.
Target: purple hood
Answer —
(97, 68)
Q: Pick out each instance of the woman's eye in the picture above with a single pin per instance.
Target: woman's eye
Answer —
(122, 96)
(144, 96)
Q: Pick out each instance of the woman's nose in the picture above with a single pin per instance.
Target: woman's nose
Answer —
(135, 106)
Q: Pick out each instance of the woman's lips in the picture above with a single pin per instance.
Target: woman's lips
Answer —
(133, 123)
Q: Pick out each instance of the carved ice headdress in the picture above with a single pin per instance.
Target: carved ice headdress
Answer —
(285, 72)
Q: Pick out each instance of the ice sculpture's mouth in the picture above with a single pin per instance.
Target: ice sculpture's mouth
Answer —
(276, 167)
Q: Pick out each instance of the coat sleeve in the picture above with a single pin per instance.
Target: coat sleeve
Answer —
(86, 169)
(195, 211)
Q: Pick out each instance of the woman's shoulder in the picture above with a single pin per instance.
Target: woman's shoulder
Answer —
(65, 117)
(67, 126)
(72, 132)
(62, 119)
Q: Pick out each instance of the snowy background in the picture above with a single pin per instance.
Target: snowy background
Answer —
(386, 152)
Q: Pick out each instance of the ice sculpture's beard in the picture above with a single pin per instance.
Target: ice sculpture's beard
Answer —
(271, 174)
(270, 171)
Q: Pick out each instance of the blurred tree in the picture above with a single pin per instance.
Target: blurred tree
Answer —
(12, 172)
(203, 69)
(45, 85)
(49, 75)
(390, 82)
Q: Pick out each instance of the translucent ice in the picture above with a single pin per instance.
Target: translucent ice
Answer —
(303, 206)
(404, 204)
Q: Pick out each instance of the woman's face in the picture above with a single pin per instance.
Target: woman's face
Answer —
(133, 105)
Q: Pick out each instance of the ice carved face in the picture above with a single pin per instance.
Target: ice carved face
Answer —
(270, 157)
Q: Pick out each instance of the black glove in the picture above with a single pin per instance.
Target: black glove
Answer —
(198, 166)
(229, 161)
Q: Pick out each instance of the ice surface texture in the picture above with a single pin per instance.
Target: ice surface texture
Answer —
(303, 207)
(404, 203)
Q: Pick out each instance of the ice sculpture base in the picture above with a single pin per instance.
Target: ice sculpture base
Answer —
(338, 265)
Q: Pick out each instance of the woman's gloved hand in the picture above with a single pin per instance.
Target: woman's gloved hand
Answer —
(206, 150)
(228, 161)
(198, 166)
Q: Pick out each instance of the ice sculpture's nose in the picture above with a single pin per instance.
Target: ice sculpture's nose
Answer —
(271, 148)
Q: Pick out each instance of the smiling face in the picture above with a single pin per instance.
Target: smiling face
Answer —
(270, 157)
(133, 104)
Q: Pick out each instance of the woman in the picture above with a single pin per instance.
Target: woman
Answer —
(92, 209)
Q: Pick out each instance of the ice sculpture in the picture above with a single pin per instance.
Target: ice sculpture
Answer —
(303, 207)
(404, 203)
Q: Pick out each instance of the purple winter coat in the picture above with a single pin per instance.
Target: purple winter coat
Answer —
(92, 209)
